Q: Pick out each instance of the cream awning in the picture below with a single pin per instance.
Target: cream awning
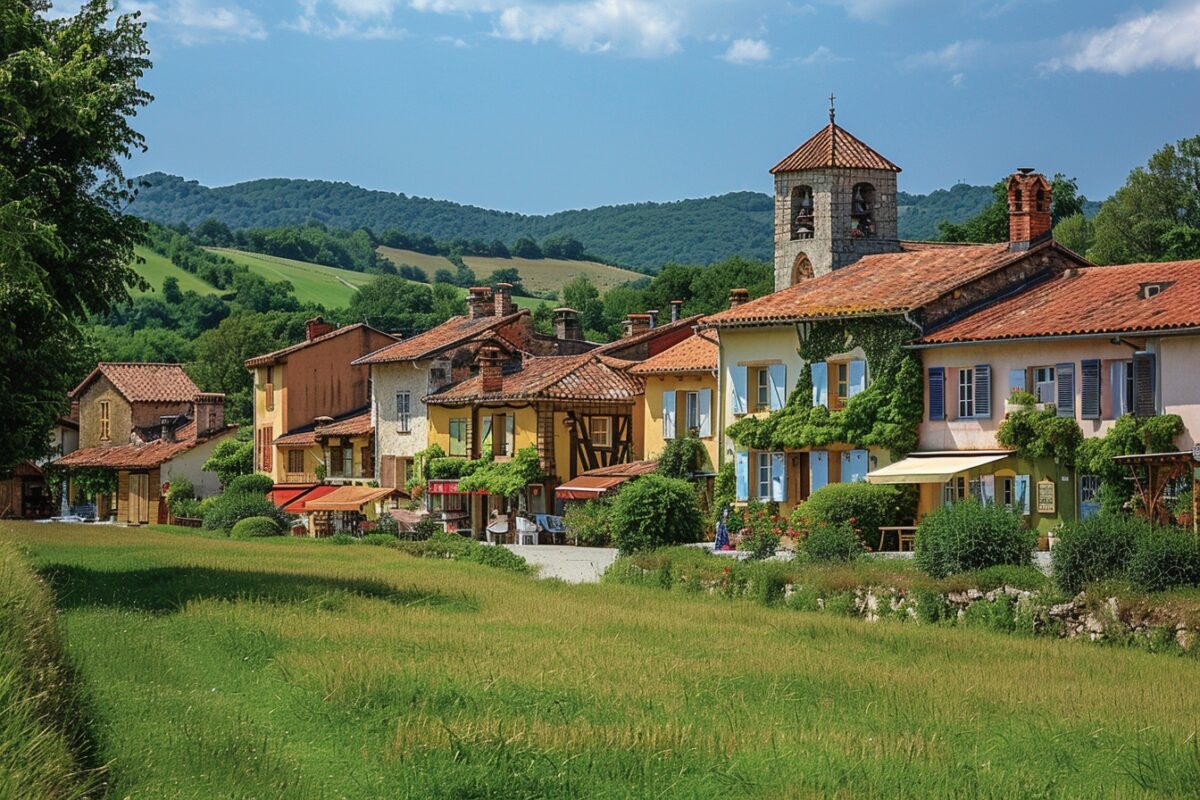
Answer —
(937, 468)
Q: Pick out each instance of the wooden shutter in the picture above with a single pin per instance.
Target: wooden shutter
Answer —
(1144, 388)
(741, 468)
(738, 378)
(778, 477)
(777, 381)
(1089, 387)
(983, 391)
(704, 411)
(387, 472)
(668, 415)
(818, 469)
(858, 377)
(937, 393)
(1064, 374)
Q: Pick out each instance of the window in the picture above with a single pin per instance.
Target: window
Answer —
(862, 210)
(1007, 491)
(347, 460)
(335, 459)
(1152, 290)
(1089, 489)
(763, 383)
(458, 437)
(763, 475)
(841, 385)
(499, 434)
(954, 490)
(966, 393)
(295, 461)
(691, 410)
(802, 213)
(404, 411)
(266, 448)
(105, 421)
(453, 502)
(1044, 384)
(601, 431)
(1128, 407)
(269, 389)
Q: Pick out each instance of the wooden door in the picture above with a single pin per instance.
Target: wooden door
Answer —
(139, 498)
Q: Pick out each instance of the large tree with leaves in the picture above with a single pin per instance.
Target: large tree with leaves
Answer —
(68, 89)
(991, 224)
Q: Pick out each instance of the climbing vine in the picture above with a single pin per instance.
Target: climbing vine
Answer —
(1041, 433)
(885, 414)
(1129, 435)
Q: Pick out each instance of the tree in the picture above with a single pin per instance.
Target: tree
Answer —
(391, 303)
(231, 458)
(1156, 215)
(583, 296)
(1074, 233)
(170, 290)
(991, 224)
(213, 233)
(508, 275)
(497, 249)
(68, 88)
(447, 302)
(526, 247)
(562, 246)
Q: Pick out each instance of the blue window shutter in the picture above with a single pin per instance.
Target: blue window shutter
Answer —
(983, 391)
(741, 468)
(705, 412)
(738, 377)
(1021, 490)
(778, 477)
(668, 415)
(777, 378)
(818, 469)
(858, 377)
(1089, 388)
(1145, 397)
(1065, 397)
(820, 382)
(937, 393)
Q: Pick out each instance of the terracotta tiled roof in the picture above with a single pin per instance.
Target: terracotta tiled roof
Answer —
(833, 146)
(428, 344)
(632, 469)
(357, 423)
(139, 456)
(281, 355)
(588, 376)
(150, 383)
(1099, 300)
(697, 353)
(647, 335)
(889, 283)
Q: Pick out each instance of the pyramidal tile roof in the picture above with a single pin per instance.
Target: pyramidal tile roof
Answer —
(697, 353)
(833, 146)
(143, 382)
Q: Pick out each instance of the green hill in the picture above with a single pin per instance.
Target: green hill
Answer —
(155, 268)
(538, 275)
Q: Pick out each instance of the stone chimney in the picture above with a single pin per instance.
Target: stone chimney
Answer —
(676, 310)
(479, 302)
(504, 303)
(166, 426)
(1029, 214)
(653, 314)
(636, 323)
(316, 327)
(738, 296)
(566, 325)
(210, 413)
(491, 369)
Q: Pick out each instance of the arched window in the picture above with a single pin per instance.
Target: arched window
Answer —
(1018, 201)
(862, 210)
(802, 269)
(803, 223)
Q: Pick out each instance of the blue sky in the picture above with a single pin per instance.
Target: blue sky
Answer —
(542, 105)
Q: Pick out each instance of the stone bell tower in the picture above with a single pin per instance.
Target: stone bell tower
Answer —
(835, 202)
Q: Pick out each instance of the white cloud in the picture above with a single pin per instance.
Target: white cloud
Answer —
(1162, 39)
(747, 51)
(822, 55)
(347, 19)
(958, 80)
(634, 26)
(198, 22)
(953, 56)
(873, 10)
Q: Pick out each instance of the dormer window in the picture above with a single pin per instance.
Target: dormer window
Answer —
(1148, 290)
(803, 223)
(862, 210)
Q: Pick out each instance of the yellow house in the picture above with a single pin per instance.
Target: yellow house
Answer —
(680, 391)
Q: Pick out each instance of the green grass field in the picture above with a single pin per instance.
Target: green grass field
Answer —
(537, 275)
(293, 668)
(314, 283)
(155, 268)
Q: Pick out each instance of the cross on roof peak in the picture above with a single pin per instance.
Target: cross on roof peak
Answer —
(832, 110)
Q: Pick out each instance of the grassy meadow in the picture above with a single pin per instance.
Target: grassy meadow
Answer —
(538, 275)
(155, 268)
(314, 283)
(293, 668)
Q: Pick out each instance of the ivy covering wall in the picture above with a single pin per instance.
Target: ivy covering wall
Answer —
(886, 414)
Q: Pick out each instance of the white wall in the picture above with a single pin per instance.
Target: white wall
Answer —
(190, 465)
(386, 380)
(1179, 382)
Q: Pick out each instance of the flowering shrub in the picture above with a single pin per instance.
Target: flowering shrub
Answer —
(864, 506)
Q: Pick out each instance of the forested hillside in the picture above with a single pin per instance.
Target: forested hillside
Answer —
(645, 235)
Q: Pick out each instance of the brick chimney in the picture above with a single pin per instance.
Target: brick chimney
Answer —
(636, 323)
(566, 325)
(676, 310)
(653, 314)
(210, 413)
(166, 429)
(738, 296)
(479, 302)
(491, 369)
(504, 303)
(1029, 215)
(316, 327)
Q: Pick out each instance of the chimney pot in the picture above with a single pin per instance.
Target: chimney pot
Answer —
(636, 323)
(209, 409)
(1030, 218)
(166, 428)
(653, 314)
(479, 302)
(676, 310)
(491, 369)
(566, 325)
(738, 296)
(316, 327)
(504, 303)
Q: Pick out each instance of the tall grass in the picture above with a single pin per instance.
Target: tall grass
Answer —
(44, 744)
(287, 668)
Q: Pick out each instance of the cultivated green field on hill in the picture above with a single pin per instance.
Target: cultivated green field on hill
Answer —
(156, 268)
(295, 669)
(314, 283)
(538, 275)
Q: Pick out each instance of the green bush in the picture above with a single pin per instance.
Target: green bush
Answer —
(225, 511)
(1098, 548)
(590, 523)
(342, 538)
(380, 539)
(387, 525)
(1165, 558)
(461, 548)
(832, 542)
(757, 529)
(190, 508)
(423, 530)
(967, 536)
(654, 511)
(865, 506)
(180, 496)
(254, 483)
(760, 544)
(254, 527)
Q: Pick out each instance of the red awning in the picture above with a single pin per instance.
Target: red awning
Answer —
(347, 498)
(448, 487)
(283, 495)
(587, 487)
(297, 506)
